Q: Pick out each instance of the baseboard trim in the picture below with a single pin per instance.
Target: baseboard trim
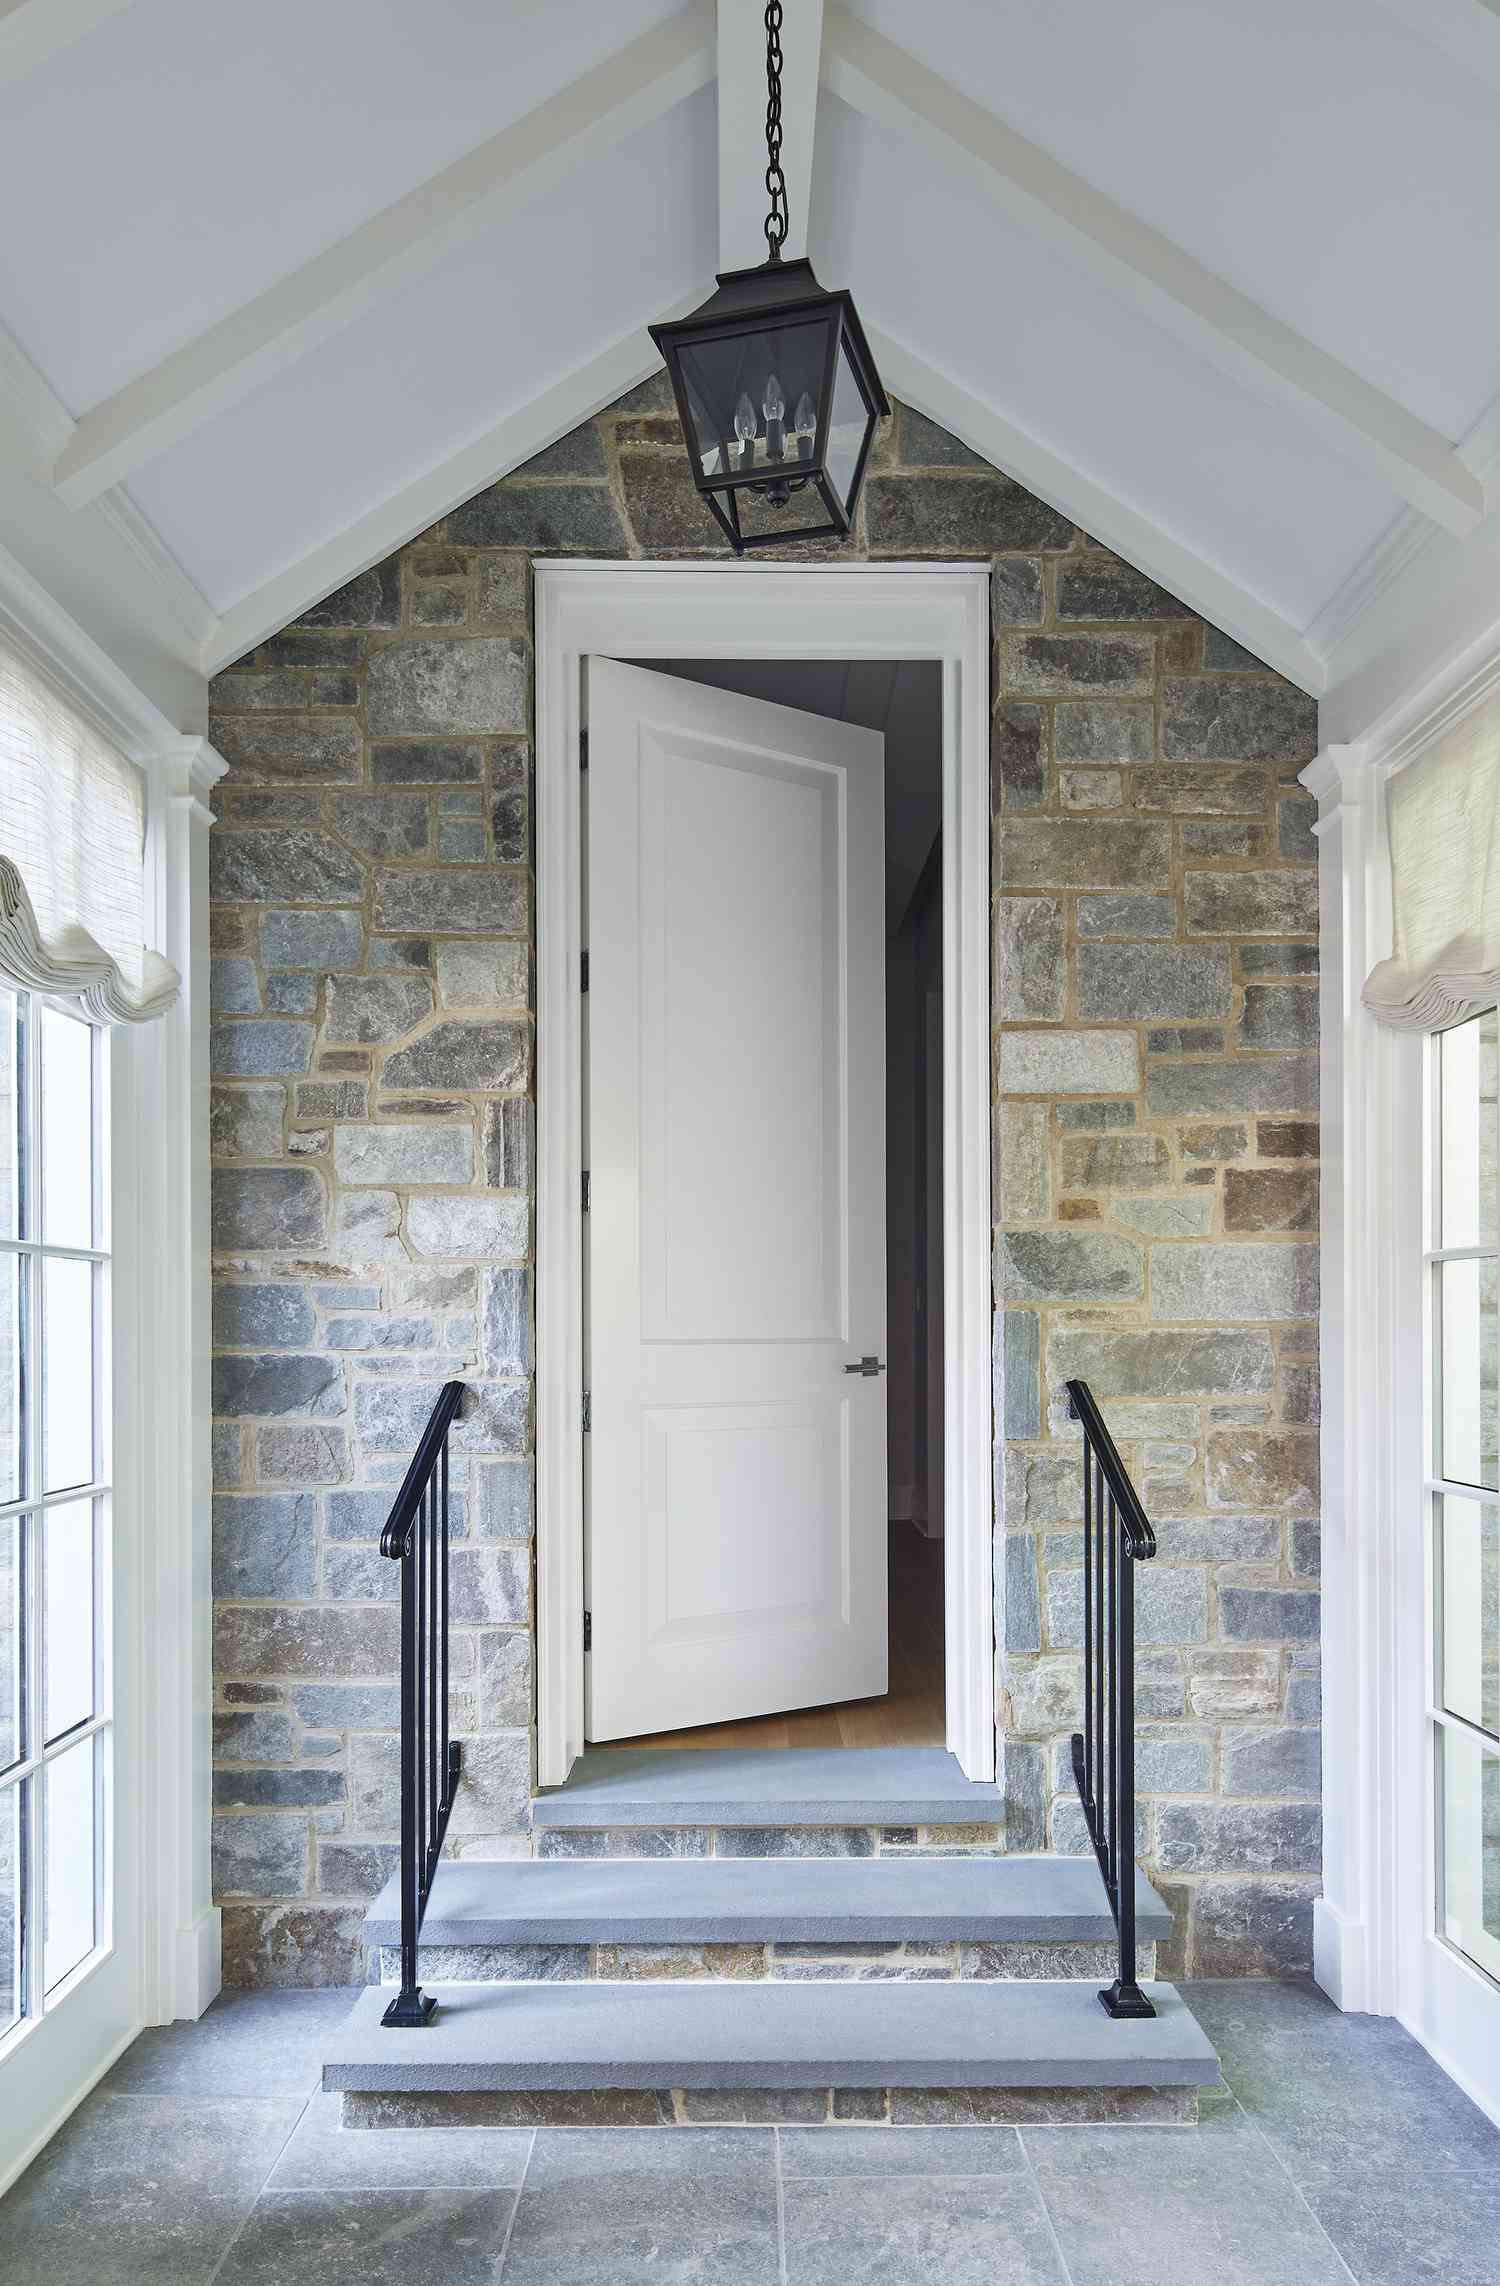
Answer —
(199, 1965)
(1339, 1958)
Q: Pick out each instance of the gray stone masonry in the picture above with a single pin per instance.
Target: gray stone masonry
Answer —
(1155, 1130)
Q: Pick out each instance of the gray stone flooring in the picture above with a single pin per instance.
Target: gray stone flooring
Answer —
(1336, 2151)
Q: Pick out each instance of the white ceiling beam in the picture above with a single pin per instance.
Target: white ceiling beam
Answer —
(1466, 31)
(742, 125)
(891, 87)
(268, 333)
(418, 505)
(1200, 585)
(33, 31)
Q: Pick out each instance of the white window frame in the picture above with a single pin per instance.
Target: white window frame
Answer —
(1377, 1946)
(33, 1253)
(163, 1961)
(717, 609)
(1441, 1718)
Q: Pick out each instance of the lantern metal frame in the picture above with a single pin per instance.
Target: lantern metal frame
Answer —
(774, 295)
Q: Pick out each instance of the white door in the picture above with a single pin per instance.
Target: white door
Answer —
(736, 1232)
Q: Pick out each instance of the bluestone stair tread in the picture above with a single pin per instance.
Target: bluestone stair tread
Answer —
(838, 1900)
(702, 2033)
(738, 1786)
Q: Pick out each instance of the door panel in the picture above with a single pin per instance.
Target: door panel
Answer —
(736, 1242)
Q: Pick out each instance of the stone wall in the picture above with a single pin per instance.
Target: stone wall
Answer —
(1156, 1188)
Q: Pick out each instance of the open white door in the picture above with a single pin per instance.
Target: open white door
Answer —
(736, 1234)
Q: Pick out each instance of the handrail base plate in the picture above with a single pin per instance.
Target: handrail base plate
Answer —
(411, 2010)
(1125, 2000)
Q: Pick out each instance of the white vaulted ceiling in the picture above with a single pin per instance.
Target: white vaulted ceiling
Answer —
(279, 286)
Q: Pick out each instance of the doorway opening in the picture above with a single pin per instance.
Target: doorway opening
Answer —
(721, 1375)
(771, 1573)
(901, 702)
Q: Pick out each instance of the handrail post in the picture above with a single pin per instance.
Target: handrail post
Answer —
(1116, 1536)
(1125, 1997)
(411, 2005)
(416, 1536)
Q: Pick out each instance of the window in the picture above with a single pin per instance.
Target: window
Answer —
(1463, 1257)
(55, 1730)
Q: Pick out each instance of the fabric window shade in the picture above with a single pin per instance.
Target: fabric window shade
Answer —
(72, 876)
(1444, 821)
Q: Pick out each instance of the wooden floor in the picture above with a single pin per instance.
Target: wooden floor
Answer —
(912, 1711)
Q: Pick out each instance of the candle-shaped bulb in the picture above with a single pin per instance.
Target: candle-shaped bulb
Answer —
(744, 419)
(804, 425)
(774, 403)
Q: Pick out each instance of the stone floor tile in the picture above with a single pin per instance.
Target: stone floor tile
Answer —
(1259, 2005)
(610, 2207)
(564, 2156)
(322, 2155)
(53, 2233)
(1161, 2206)
(1404, 2228)
(246, 2044)
(1347, 2105)
(900, 2151)
(960, 2231)
(371, 2238)
(145, 2144)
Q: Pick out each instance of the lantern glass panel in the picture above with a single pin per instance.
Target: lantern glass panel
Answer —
(848, 427)
(738, 432)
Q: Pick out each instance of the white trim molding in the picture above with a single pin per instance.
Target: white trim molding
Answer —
(180, 1969)
(641, 611)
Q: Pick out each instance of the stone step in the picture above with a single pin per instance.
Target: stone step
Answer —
(488, 2039)
(802, 1901)
(700, 1788)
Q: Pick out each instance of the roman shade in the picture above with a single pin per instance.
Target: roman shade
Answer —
(1444, 822)
(72, 838)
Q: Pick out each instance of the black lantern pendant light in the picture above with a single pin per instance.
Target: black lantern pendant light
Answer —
(776, 388)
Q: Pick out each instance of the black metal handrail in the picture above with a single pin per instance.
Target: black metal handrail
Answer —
(1116, 1537)
(416, 1537)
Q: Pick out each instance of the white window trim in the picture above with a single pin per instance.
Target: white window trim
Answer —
(165, 1960)
(1376, 1947)
(749, 610)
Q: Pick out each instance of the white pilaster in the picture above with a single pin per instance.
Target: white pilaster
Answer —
(180, 1964)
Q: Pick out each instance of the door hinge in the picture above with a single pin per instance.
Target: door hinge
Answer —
(585, 1190)
(583, 971)
(588, 1631)
(583, 749)
(588, 1409)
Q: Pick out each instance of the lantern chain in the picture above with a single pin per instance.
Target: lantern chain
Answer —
(776, 220)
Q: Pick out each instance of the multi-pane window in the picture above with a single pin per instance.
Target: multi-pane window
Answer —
(55, 1734)
(1463, 1255)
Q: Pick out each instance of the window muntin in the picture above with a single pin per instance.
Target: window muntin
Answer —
(1463, 1270)
(55, 1721)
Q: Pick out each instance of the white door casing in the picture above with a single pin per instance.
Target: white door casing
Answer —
(715, 609)
(736, 1232)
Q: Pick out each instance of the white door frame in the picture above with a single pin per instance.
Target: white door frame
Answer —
(718, 610)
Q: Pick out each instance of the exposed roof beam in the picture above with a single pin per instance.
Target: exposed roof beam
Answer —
(1467, 31)
(742, 125)
(890, 86)
(513, 440)
(33, 31)
(617, 97)
(1201, 586)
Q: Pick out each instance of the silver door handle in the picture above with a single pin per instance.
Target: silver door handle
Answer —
(869, 1366)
